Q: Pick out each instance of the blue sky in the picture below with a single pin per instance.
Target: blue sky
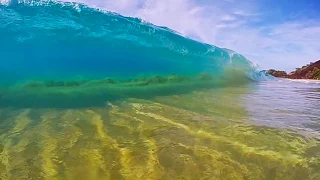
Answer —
(282, 34)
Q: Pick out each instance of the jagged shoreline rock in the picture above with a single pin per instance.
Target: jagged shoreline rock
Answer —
(310, 71)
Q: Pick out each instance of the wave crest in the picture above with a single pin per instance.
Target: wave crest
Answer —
(58, 40)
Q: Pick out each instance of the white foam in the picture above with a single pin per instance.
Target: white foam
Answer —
(5, 2)
(305, 81)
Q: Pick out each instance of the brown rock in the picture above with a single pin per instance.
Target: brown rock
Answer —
(280, 74)
(310, 71)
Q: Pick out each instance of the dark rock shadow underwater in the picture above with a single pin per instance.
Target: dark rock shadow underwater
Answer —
(96, 93)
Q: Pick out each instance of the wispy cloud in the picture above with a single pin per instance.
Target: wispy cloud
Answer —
(243, 27)
(243, 13)
(228, 17)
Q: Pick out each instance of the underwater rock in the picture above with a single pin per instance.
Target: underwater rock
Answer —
(54, 84)
(176, 79)
(72, 83)
(34, 85)
(153, 80)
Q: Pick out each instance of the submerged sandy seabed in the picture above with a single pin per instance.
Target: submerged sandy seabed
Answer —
(198, 135)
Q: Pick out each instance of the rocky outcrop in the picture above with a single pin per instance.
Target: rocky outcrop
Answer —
(310, 71)
(275, 73)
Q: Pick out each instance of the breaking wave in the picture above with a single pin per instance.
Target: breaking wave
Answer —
(70, 46)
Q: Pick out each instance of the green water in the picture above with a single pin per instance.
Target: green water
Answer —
(92, 95)
(203, 134)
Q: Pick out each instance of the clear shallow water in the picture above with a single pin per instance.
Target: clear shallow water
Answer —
(292, 104)
(217, 133)
(86, 94)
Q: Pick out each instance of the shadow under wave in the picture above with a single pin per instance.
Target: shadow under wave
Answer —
(97, 93)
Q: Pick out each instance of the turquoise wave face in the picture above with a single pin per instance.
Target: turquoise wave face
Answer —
(67, 40)
(47, 44)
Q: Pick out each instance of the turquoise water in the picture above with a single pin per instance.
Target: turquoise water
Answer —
(59, 41)
(89, 94)
(50, 50)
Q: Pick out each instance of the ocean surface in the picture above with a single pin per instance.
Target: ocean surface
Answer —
(90, 94)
